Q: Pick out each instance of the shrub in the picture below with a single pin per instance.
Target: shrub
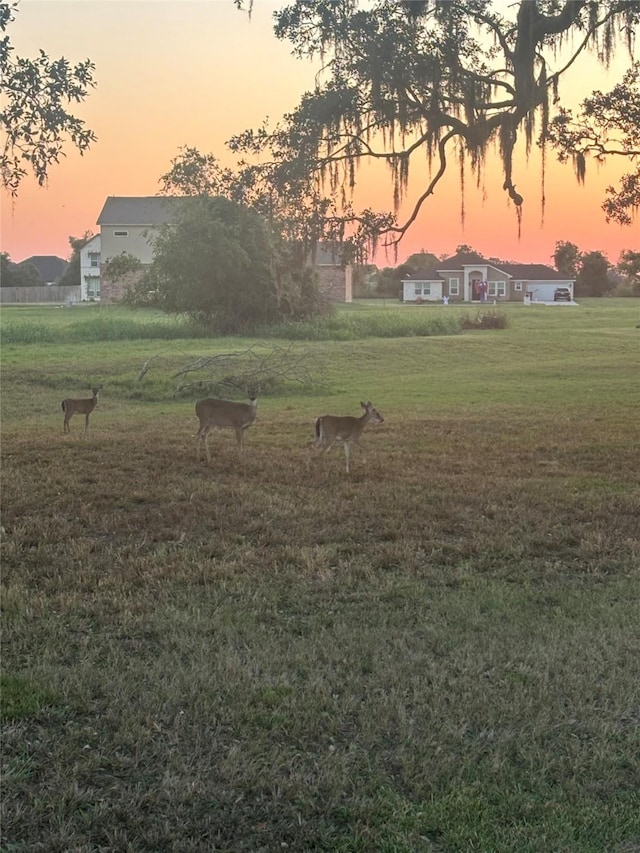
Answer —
(485, 320)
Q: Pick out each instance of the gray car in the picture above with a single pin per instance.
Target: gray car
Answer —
(562, 294)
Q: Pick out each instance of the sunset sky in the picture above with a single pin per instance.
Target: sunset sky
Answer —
(172, 73)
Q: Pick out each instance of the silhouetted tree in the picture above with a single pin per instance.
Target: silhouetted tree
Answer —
(34, 116)
(593, 276)
(18, 275)
(390, 280)
(567, 258)
(422, 260)
(629, 267)
(403, 81)
(607, 124)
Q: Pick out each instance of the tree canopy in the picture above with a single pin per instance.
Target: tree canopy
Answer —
(18, 275)
(607, 124)
(221, 263)
(406, 81)
(34, 118)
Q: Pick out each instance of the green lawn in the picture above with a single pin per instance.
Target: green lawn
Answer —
(438, 652)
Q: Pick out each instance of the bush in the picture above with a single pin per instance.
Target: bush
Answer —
(485, 320)
(626, 288)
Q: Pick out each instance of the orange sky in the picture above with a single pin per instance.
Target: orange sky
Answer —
(189, 72)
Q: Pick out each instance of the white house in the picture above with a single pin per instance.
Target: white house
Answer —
(90, 270)
(464, 277)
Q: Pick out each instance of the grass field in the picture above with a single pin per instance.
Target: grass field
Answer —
(439, 652)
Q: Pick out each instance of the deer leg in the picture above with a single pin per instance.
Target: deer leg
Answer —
(346, 455)
(86, 424)
(240, 439)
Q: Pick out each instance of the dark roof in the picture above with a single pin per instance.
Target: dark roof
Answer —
(519, 272)
(50, 267)
(537, 272)
(138, 210)
(425, 274)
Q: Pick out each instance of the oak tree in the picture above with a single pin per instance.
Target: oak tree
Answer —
(415, 80)
(607, 124)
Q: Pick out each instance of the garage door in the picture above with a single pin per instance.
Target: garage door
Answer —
(541, 292)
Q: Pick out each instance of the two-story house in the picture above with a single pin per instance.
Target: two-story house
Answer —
(128, 225)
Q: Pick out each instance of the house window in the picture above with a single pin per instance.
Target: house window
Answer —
(454, 287)
(497, 288)
(93, 286)
(94, 259)
(517, 285)
(423, 290)
(120, 233)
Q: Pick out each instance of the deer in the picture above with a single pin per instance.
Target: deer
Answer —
(330, 429)
(85, 406)
(224, 414)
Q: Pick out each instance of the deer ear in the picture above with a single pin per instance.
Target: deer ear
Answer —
(364, 405)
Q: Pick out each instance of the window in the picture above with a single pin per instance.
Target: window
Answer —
(454, 287)
(517, 285)
(94, 259)
(423, 289)
(93, 286)
(497, 288)
(120, 233)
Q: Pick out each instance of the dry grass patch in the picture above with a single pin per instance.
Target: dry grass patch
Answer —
(431, 654)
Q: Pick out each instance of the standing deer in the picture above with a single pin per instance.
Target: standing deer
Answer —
(330, 429)
(72, 407)
(224, 414)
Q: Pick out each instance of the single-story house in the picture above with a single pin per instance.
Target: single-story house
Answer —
(127, 226)
(466, 276)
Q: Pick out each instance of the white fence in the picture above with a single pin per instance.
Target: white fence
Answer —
(62, 295)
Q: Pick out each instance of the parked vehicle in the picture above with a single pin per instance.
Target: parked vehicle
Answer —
(562, 294)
